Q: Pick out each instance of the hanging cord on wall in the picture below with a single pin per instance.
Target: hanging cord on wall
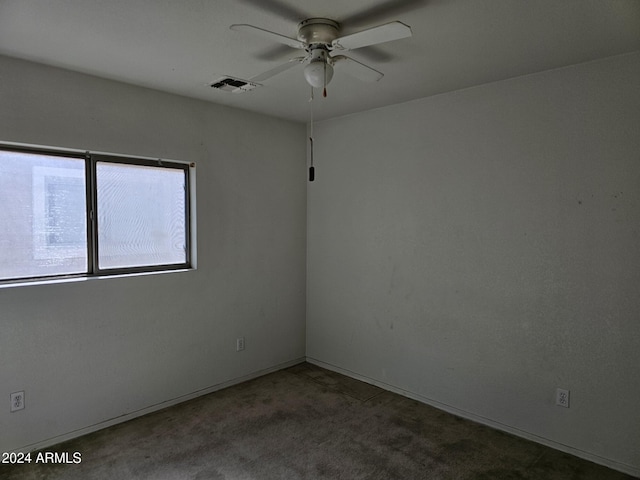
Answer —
(312, 170)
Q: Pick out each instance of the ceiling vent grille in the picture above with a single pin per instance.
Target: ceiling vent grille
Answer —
(233, 85)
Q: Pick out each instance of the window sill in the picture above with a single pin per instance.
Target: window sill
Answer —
(84, 278)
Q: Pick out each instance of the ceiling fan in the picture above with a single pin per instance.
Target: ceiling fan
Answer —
(323, 44)
(320, 39)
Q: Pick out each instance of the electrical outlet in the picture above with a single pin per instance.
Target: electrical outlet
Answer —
(239, 344)
(17, 401)
(562, 397)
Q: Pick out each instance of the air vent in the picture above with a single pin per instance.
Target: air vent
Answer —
(233, 85)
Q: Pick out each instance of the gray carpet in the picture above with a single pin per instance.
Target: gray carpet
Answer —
(307, 423)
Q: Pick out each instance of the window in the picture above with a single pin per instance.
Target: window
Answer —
(70, 214)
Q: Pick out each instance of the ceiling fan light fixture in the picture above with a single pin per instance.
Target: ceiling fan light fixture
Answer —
(318, 74)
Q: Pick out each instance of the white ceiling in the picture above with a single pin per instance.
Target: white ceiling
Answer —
(182, 46)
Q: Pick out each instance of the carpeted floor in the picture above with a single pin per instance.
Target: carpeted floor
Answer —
(305, 422)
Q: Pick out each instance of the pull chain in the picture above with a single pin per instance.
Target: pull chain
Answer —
(324, 90)
(312, 170)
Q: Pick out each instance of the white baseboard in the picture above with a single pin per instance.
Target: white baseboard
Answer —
(621, 467)
(153, 408)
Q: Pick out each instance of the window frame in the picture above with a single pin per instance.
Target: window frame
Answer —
(91, 160)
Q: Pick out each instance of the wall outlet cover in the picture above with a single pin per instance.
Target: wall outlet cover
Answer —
(562, 397)
(17, 401)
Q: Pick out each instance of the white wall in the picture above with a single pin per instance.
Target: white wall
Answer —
(480, 248)
(90, 351)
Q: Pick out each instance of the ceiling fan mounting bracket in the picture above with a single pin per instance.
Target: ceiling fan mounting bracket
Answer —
(318, 30)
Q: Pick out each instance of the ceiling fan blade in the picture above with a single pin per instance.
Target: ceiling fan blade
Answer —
(357, 69)
(276, 37)
(279, 69)
(373, 36)
(382, 11)
(273, 53)
(280, 9)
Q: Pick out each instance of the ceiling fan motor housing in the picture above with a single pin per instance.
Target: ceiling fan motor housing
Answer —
(318, 30)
